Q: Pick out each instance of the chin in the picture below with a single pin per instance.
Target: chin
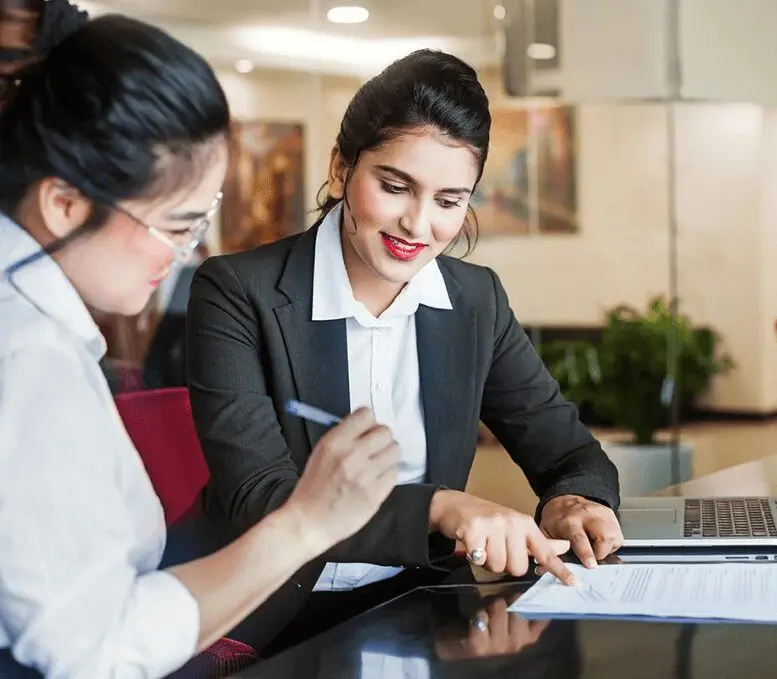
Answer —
(393, 273)
(399, 272)
(128, 305)
(134, 307)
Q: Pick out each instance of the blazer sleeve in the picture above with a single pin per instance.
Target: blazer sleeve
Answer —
(523, 406)
(251, 466)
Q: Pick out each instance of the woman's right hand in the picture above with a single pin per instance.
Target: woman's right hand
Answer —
(504, 538)
(349, 474)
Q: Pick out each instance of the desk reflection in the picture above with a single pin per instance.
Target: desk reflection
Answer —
(473, 634)
(492, 631)
(389, 666)
(433, 633)
(465, 632)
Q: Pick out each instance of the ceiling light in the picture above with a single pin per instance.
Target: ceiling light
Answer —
(314, 49)
(348, 15)
(244, 66)
(499, 12)
(541, 51)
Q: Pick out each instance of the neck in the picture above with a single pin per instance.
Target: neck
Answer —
(375, 293)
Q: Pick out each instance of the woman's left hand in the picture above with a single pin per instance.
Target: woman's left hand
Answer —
(591, 528)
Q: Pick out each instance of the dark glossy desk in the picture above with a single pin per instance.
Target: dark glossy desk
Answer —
(429, 633)
(433, 633)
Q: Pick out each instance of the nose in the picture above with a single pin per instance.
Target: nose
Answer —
(416, 223)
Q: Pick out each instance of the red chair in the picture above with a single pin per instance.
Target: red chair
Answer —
(160, 424)
(226, 657)
(129, 375)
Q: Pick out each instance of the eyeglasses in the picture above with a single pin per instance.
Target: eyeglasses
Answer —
(192, 236)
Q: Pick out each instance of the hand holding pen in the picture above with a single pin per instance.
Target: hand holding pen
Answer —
(349, 474)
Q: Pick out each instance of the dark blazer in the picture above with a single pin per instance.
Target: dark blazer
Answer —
(252, 345)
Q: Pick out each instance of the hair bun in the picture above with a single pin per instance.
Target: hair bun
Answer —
(59, 19)
(30, 29)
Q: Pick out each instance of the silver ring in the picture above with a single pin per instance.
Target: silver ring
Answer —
(480, 623)
(476, 555)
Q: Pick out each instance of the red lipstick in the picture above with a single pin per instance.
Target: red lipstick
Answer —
(401, 249)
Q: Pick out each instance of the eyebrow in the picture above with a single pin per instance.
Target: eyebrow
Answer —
(405, 177)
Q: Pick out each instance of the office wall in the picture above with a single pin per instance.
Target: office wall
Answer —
(768, 257)
(727, 216)
(721, 226)
(618, 49)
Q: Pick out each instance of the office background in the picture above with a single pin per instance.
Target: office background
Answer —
(634, 161)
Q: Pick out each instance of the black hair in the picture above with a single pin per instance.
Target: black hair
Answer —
(117, 109)
(58, 19)
(38, 24)
(427, 88)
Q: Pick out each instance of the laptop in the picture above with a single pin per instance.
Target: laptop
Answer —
(693, 529)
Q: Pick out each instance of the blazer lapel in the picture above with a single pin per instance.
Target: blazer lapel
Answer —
(447, 350)
(318, 350)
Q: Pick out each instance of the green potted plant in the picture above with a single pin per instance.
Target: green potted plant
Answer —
(624, 379)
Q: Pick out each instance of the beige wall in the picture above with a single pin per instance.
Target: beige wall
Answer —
(719, 195)
(726, 171)
(768, 256)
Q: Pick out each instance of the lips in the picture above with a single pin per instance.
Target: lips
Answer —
(154, 282)
(401, 249)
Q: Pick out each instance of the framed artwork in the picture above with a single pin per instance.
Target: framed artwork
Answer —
(264, 191)
(530, 182)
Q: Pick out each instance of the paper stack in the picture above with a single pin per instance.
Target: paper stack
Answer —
(745, 592)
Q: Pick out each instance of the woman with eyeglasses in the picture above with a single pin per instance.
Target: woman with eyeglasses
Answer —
(113, 155)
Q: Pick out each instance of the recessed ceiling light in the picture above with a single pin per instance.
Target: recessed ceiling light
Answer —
(541, 51)
(352, 14)
(244, 66)
(499, 12)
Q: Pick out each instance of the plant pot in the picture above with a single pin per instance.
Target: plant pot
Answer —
(647, 468)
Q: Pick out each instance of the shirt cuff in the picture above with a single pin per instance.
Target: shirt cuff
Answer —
(172, 620)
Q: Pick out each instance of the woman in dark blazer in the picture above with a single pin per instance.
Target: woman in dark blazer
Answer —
(365, 309)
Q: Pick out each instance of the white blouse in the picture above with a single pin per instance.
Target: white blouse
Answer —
(382, 368)
(81, 530)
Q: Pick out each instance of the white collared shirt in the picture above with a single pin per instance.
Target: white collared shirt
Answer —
(382, 367)
(81, 530)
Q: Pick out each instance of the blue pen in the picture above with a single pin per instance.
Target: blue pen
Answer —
(311, 413)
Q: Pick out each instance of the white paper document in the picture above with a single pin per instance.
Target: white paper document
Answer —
(736, 591)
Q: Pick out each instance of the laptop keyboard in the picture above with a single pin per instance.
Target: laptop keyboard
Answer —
(729, 518)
